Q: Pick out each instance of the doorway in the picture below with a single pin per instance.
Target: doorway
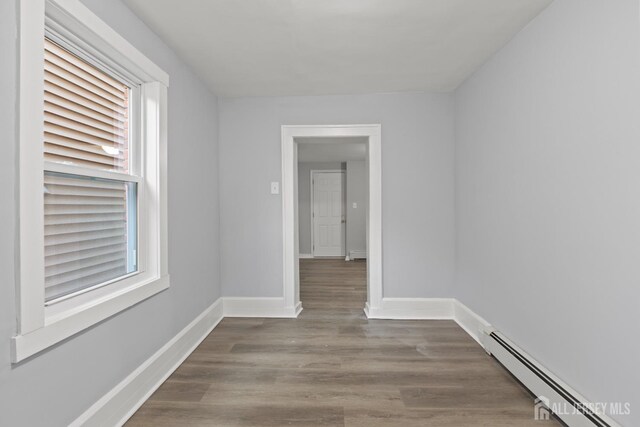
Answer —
(328, 213)
(293, 137)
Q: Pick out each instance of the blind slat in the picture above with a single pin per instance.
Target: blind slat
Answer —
(53, 209)
(66, 258)
(75, 200)
(110, 128)
(74, 247)
(84, 227)
(83, 83)
(82, 156)
(79, 218)
(79, 136)
(81, 91)
(52, 291)
(72, 190)
(58, 179)
(72, 144)
(84, 74)
(75, 161)
(72, 101)
(83, 273)
(52, 47)
(81, 237)
(51, 138)
(82, 130)
(81, 263)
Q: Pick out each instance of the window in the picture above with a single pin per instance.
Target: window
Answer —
(90, 223)
(93, 229)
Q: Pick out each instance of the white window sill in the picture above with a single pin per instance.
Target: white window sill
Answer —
(75, 321)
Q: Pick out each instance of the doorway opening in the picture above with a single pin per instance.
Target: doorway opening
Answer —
(331, 191)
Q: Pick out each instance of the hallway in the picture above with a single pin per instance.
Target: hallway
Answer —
(331, 284)
(333, 367)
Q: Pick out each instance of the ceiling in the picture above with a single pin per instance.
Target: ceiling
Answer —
(331, 149)
(313, 47)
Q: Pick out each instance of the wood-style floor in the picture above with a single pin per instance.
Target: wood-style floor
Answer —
(333, 367)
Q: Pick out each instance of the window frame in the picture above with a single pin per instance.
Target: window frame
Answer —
(42, 325)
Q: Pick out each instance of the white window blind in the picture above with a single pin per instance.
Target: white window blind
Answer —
(85, 232)
(86, 113)
(90, 222)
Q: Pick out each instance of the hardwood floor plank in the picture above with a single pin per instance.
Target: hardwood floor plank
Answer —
(165, 414)
(473, 395)
(266, 361)
(178, 391)
(386, 417)
(303, 395)
(197, 373)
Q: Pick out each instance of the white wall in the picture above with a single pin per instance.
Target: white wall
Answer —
(304, 200)
(417, 150)
(357, 192)
(54, 387)
(548, 195)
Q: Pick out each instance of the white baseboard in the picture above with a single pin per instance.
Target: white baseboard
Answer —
(305, 256)
(259, 307)
(431, 309)
(119, 404)
(412, 308)
(358, 254)
(473, 324)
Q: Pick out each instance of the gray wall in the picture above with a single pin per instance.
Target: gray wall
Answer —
(53, 388)
(357, 189)
(548, 195)
(417, 147)
(304, 200)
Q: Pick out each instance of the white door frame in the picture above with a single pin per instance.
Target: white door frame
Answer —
(291, 273)
(344, 206)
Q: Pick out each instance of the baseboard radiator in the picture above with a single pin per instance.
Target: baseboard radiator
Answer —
(552, 395)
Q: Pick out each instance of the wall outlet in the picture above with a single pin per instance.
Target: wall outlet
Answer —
(355, 205)
(275, 188)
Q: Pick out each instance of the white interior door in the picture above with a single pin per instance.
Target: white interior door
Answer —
(328, 214)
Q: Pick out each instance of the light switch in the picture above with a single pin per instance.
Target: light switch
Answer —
(275, 188)
(355, 205)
